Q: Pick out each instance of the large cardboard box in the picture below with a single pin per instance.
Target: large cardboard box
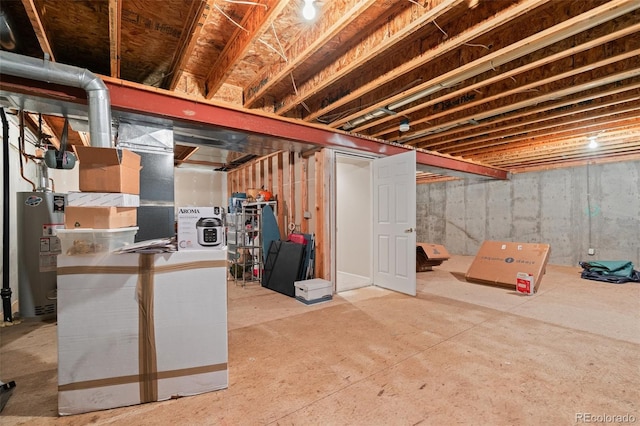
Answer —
(500, 262)
(100, 217)
(108, 170)
(137, 328)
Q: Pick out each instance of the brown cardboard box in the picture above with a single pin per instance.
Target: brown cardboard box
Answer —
(429, 255)
(108, 170)
(499, 262)
(100, 217)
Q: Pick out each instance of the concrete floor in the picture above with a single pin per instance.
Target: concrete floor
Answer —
(458, 353)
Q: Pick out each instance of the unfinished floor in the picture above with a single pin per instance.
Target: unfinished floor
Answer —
(458, 353)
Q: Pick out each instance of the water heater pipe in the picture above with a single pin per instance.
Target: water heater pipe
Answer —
(5, 293)
(66, 75)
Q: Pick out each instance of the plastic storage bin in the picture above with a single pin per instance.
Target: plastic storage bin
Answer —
(88, 240)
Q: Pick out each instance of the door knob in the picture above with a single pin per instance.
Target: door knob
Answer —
(408, 231)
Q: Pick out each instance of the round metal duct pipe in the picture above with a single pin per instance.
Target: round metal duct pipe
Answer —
(67, 75)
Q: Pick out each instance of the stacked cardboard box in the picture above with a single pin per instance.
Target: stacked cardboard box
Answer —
(109, 189)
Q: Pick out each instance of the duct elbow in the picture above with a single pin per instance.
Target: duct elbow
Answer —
(91, 82)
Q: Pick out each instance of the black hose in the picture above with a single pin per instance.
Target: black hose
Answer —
(5, 293)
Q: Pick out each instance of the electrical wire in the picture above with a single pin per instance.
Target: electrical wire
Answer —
(273, 48)
(438, 26)
(295, 89)
(251, 3)
(464, 44)
(230, 19)
(275, 34)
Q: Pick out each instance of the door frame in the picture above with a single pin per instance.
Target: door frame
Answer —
(334, 154)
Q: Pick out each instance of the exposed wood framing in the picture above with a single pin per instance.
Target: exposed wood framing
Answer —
(485, 85)
(304, 223)
(620, 132)
(46, 134)
(127, 96)
(321, 235)
(332, 23)
(254, 24)
(404, 24)
(548, 132)
(596, 70)
(253, 176)
(38, 27)
(56, 126)
(575, 163)
(115, 36)
(490, 61)
(200, 11)
(593, 85)
(566, 108)
(566, 47)
(280, 192)
(270, 174)
(292, 189)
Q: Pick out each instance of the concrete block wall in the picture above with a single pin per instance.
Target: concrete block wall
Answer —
(572, 209)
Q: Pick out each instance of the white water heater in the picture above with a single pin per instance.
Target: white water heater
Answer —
(39, 215)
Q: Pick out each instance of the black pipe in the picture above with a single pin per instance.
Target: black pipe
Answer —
(5, 293)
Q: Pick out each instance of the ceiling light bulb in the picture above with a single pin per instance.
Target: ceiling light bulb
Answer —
(593, 143)
(404, 126)
(308, 11)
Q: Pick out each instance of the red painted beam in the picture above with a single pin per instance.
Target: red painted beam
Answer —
(140, 99)
(161, 103)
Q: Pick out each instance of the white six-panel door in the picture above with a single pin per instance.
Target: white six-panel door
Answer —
(394, 222)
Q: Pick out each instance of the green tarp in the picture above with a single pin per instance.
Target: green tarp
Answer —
(614, 271)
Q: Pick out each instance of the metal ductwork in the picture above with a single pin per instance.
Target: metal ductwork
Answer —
(66, 75)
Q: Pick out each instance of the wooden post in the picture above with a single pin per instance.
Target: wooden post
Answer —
(319, 212)
(270, 175)
(292, 188)
(245, 174)
(304, 224)
(280, 193)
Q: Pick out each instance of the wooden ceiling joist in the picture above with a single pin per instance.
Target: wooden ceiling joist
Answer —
(556, 142)
(448, 46)
(255, 23)
(523, 118)
(594, 71)
(115, 36)
(495, 82)
(38, 28)
(404, 25)
(200, 10)
(334, 20)
(468, 119)
(570, 104)
(567, 49)
(513, 50)
(579, 121)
